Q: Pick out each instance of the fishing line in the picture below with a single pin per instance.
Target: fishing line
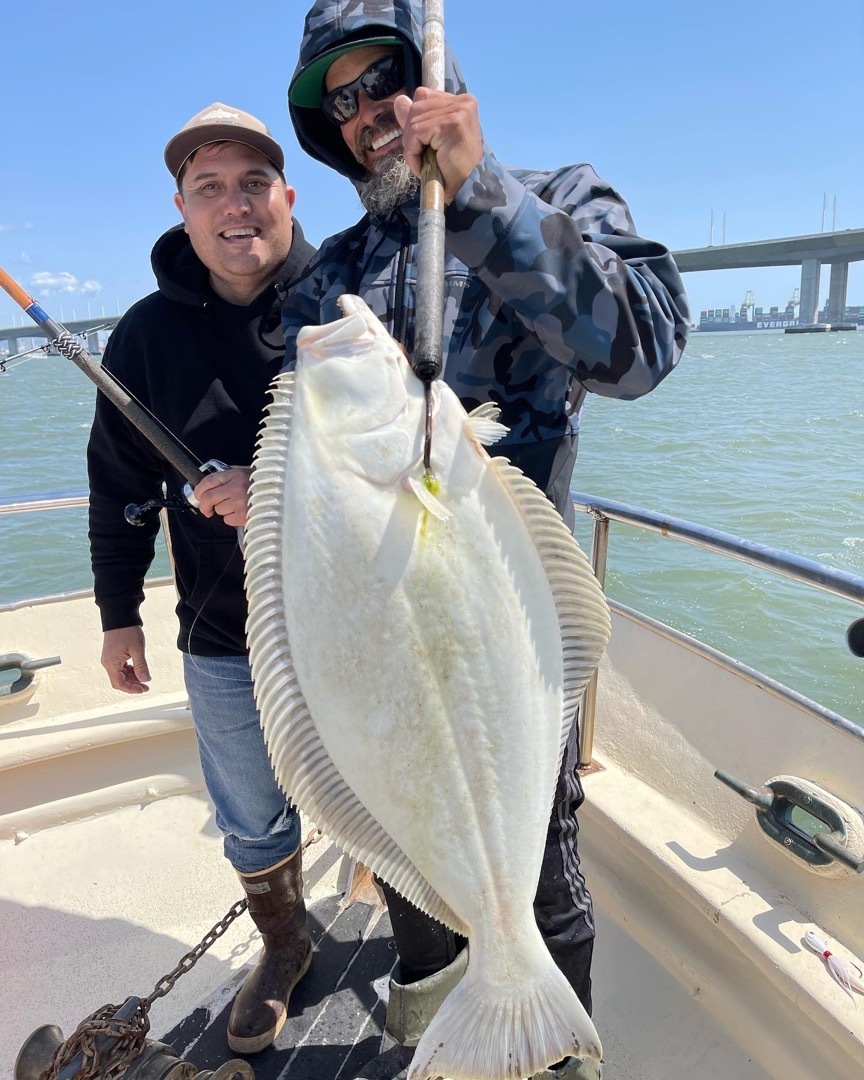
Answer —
(203, 605)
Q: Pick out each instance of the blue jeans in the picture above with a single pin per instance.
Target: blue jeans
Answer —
(258, 822)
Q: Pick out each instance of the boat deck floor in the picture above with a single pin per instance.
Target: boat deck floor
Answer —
(95, 911)
(336, 1013)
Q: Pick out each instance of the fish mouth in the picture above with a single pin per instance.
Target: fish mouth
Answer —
(349, 340)
(347, 337)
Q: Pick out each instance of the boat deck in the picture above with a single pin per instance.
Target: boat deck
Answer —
(142, 886)
(336, 1013)
(111, 869)
(97, 910)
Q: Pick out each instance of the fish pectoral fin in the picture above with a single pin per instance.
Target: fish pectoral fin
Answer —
(483, 424)
(430, 503)
(487, 411)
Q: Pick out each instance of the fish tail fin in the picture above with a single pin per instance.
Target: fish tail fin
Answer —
(487, 1029)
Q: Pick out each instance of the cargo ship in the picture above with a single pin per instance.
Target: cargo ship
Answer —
(748, 317)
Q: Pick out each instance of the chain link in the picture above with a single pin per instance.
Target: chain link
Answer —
(108, 1063)
(187, 962)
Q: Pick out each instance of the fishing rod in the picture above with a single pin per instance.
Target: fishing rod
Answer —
(429, 318)
(158, 436)
(429, 332)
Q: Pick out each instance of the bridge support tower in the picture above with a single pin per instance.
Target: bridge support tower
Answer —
(835, 309)
(810, 271)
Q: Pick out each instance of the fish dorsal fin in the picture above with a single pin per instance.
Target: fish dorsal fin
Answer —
(483, 424)
(303, 767)
(583, 613)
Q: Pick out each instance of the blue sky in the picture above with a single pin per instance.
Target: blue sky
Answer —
(752, 110)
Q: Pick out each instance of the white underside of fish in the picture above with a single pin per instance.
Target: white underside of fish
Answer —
(418, 648)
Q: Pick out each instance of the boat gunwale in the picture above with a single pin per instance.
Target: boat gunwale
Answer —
(744, 671)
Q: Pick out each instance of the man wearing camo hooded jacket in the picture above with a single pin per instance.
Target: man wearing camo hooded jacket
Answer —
(549, 294)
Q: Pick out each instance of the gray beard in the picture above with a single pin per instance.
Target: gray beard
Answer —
(390, 184)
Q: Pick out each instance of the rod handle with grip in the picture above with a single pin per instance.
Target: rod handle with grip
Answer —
(211, 466)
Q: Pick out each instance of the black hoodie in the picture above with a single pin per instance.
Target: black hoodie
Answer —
(202, 366)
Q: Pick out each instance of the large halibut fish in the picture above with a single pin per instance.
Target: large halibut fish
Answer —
(419, 642)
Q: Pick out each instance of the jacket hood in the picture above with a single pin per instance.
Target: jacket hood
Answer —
(180, 274)
(331, 23)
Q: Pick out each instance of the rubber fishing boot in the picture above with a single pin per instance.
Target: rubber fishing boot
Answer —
(276, 905)
(410, 1009)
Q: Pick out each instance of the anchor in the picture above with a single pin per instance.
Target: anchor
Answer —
(157, 1061)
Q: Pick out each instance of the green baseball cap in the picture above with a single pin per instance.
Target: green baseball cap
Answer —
(307, 87)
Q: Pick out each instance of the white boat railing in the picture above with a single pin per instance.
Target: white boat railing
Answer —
(54, 500)
(807, 571)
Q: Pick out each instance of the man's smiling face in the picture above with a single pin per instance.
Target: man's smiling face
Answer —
(237, 213)
(373, 133)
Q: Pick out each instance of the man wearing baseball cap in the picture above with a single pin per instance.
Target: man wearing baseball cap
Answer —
(199, 353)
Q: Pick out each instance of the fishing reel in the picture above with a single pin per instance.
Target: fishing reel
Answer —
(157, 1061)
(137, 513)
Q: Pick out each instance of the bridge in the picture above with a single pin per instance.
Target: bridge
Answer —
(837, 249)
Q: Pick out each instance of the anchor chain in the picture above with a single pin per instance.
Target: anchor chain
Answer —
(128, 1035)
(128, 1039)
(166, 984)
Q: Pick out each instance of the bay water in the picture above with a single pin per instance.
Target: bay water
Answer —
(756, 434)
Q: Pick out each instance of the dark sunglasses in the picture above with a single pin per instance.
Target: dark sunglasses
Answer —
(377, 82)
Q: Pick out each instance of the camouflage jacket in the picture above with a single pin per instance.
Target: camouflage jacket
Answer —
(549, 291)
